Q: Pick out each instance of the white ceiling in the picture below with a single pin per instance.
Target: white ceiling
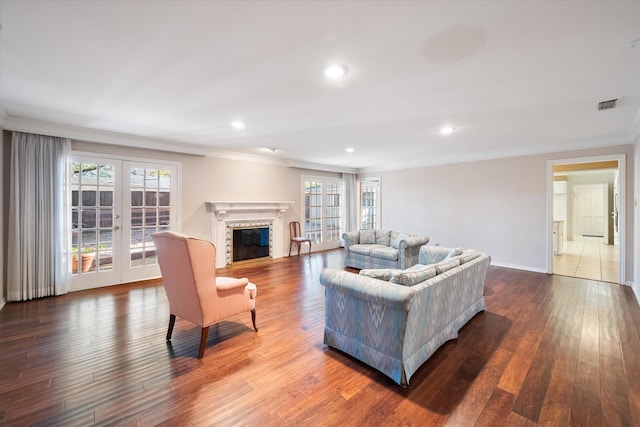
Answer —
(513, 78)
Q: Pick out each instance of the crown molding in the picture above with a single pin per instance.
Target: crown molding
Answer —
(612, 141)
(113, 138)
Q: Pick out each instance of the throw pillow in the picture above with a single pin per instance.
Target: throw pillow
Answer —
(410, 278)
(433, 254)
(383, 237)
(447, 265)
(467, 255)
(367, 236)
(379, 273)
(396, 242)
(454, 252)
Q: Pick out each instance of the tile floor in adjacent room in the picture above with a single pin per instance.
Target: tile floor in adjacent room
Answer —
(588, 258)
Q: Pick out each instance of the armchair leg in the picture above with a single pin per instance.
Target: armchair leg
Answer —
(172, 321)
(253, 319)
(203, 341)
(309, 247)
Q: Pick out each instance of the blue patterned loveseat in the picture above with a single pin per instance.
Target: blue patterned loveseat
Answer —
(381, 249)
(396, 327)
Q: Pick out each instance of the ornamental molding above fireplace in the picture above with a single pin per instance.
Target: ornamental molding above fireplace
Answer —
(229, 215)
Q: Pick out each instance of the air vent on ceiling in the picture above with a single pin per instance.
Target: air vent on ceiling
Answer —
(607, 105)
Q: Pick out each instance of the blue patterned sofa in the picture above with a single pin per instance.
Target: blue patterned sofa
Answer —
(381, 249)
(394, 323)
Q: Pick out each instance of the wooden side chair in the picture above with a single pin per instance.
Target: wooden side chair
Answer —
(297, 237)
(194, 291)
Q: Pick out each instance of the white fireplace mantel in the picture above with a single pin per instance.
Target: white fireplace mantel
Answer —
(229, 214)
(224, 209)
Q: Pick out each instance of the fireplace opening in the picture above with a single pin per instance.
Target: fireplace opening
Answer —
(250, 243)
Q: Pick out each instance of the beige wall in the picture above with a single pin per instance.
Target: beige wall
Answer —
(497, 206)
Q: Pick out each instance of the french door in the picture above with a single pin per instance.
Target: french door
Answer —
(116, 206)
(323, 212)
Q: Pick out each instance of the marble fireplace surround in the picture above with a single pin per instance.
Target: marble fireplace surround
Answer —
(226, 216)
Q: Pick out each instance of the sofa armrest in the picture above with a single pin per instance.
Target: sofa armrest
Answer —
(367, 288)
(413, 241)
(351, 238)
(409, 249)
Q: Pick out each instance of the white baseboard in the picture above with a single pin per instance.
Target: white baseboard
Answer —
(518, 267)
(636, 290)
(2, 302)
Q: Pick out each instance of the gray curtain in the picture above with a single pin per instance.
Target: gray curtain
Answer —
(39, 215)
(350, 202)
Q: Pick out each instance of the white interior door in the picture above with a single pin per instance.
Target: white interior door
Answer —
(591, 209)
(116, 206)
(150, 206)
(323, 212)
(96, 196)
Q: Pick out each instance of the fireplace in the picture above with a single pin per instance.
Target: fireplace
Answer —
(231, 216)
(250, 243)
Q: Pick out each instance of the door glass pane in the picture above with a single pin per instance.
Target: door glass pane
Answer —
(105, 250)
(136, 198)
(106, 175)
(145, 214)
(369, 205)
(333, 201)
(89, 220)
(313, 210)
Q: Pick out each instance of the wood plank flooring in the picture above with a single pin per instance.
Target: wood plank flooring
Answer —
(549, 350)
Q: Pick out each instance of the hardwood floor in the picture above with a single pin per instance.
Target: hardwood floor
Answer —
(549, 350)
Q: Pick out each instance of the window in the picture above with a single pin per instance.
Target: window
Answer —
(370, 204)
(323, 211)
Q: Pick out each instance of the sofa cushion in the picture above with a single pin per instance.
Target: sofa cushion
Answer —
(379, 273)
(365, 249)
(466, 256)
(410, 278)
(367, 236)
(384, 252)
(447, 265)
(416, 267)
(395, 243)
(383, 237)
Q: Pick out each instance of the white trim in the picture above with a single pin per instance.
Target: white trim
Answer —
(2, 302)
(518, 267)
(636, 291)
(455, 158)
(622, 190)
(157, 144)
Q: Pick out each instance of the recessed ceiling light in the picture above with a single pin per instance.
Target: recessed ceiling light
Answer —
(335, 71)
(447, 130)
(350, 150)
(237, 124)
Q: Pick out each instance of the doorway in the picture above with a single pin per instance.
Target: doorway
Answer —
(116, 206)
(586, 225)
